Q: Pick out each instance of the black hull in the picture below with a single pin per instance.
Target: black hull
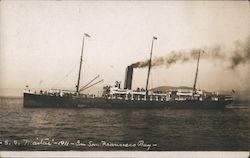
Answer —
(37, 100)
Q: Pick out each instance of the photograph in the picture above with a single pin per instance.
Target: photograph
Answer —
(123, 79)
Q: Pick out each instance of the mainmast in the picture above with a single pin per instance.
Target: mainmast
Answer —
(196, 74)
(149, 65)
(80, 67)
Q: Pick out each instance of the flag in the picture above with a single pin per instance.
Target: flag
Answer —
(86, 35)
(154, 37)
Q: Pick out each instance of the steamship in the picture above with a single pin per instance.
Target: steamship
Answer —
(117, 97)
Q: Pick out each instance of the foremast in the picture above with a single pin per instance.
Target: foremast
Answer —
(80, 66)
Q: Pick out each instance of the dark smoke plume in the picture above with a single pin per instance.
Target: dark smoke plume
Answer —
(168, 60)
(237, 56)
(241, 53)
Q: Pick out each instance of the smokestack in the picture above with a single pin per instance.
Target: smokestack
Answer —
(128, 77)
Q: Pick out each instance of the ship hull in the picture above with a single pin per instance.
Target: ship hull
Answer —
(40, 101)
(37, 100)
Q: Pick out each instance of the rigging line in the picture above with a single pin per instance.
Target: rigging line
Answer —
(91, 69)
(199, 86)
(89, 83)
(151, 80)
(67, 75)
(92, 85)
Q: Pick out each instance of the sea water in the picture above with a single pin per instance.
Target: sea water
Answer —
(87, 129)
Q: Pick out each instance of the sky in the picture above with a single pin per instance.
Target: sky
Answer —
(40, 42)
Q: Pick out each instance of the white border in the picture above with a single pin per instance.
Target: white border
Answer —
(123, 154)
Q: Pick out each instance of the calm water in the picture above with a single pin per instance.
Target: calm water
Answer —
(126, 129)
